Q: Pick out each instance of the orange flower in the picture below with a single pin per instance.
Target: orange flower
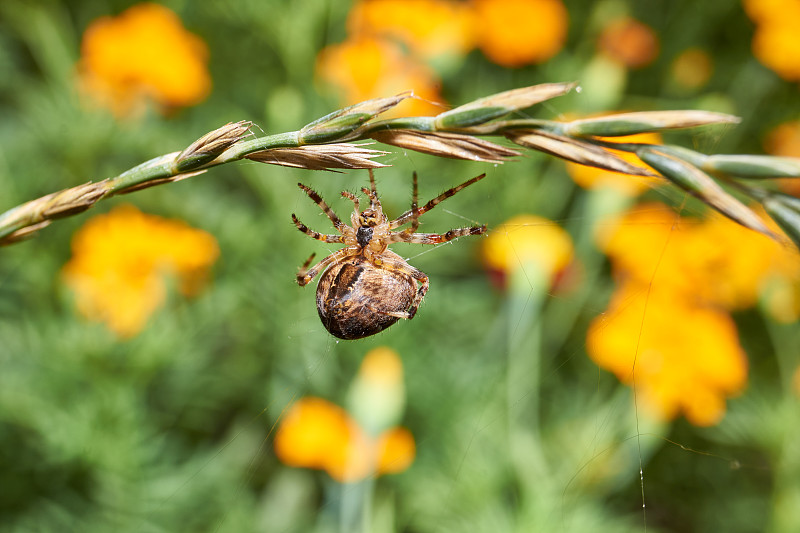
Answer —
(692, 68)
(776, 46)
(382, 367)
(367, 67)
(761, 11)
(524, 241)
(684, 358)
(653, 244)
(775, 42)
(143, 53)
(629, 42)
(784, 141)
(320, 435)
(678, 276)
(120, 261)
(513, 33)
(429, 27)
(396, 450)
(593, 177)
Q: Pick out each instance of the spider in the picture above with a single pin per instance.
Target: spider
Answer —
(365, 287)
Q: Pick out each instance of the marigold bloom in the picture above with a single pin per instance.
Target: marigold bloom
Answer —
(120, 261)
(382, 366)
(629, 42)
(776, 46)
(318, 434)
(670, 310)
(654, 244)
(145, 52)
(784, 141)
(367, 67)
(692, 68)
(685, 358)
(593, 177)
(770, 10)
(775, 42)
(396, 450)
(526, 239)
(429, 27)
(513, 33)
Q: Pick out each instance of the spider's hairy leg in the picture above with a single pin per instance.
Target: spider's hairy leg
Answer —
(305, 274)
(436, 238)
(414, 206)
(353, 198)
(401, 266)
(315, 235)
(414, 213)
(408, 215)
(301, 274)
(337, 223)
(372, 193)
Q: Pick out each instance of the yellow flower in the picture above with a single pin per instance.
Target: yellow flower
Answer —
(382, 367)
(526, 239)
(513, 33)
(784, 141)
(396, 450)
(692, 68)
(144, 53)
(593, 177)
(714, 261)
(120, 261)
(368, 67)
(629, 42)
(679, 276)
(761, 11)
(775, 42)
(777, 47)
(318, 434)
(429, 27)
(684, 358)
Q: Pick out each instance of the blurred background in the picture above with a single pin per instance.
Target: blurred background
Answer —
(610, 357)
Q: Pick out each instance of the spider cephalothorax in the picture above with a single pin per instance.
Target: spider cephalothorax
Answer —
(365, 287)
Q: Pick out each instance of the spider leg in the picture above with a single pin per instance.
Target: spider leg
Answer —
(305, 274)
(315, 235)
(372, 193)
(414, 206)
(353, 198)
(395, 265)
(435, 238)
(337, 223)
(409, 215)
(414, 213)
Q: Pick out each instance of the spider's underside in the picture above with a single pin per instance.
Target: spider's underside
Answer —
(365, 287)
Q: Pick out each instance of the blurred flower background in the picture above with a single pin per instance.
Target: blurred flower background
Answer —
(611, 357)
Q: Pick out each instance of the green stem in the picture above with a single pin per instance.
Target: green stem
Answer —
(244, 148)
(527, 293)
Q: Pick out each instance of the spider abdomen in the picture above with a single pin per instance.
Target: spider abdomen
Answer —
(354, 297)
(365, 287)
